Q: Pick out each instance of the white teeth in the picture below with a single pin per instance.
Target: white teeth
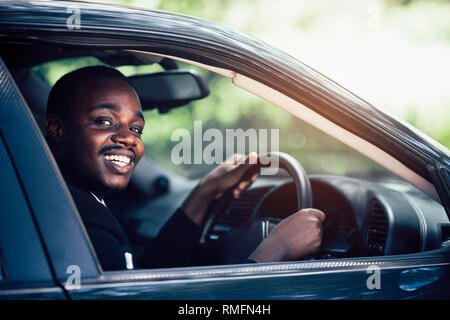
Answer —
(120, 160)
(120, 163)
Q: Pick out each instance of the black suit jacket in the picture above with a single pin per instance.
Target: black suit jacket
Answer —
(175, 245)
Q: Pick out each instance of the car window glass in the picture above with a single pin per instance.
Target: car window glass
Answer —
(229, 107)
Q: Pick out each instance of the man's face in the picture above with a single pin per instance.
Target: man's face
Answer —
(102, 139)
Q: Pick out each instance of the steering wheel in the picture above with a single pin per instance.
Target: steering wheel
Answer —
(259, 228)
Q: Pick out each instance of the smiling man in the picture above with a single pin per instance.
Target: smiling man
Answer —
(94, 126)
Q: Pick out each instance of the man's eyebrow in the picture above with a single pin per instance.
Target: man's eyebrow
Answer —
(104, 106)
(113, 107)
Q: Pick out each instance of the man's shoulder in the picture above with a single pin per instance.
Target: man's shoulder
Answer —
(95, 215)
(85, 202)
(106, 233)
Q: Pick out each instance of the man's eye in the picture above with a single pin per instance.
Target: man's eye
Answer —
(105, 122)
(136, 130)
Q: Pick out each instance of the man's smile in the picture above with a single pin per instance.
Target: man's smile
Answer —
(119, 160)
(119, 164)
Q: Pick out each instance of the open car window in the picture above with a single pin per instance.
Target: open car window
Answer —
(232, 108)
(229, 108)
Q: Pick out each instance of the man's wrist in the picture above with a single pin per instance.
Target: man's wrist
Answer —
(268, 251)
(206, 189)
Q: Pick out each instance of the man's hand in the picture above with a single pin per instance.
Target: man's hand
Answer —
(294, 238)
(215, 183)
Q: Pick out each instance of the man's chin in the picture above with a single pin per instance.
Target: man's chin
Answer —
(117, 187)
(114, 186)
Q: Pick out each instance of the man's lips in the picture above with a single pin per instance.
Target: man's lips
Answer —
(118, 164)
(119, 160)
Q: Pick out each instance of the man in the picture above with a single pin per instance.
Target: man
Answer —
(93, 127)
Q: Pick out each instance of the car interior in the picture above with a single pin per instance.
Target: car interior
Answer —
(373, 214)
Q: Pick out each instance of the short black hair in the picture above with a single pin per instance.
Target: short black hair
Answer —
(64, 94)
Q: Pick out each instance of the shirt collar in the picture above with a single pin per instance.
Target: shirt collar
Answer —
(102, 201)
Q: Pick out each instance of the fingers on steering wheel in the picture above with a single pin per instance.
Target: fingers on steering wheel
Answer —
(244, 185)
(247, 182)
(241, 165)
(235, 159)
(316, 213)
(238, 159)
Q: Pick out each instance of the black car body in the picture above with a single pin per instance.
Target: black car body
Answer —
(38, 246)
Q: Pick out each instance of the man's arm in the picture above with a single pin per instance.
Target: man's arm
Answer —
(216, 183)
(296, 237)
(175, 244)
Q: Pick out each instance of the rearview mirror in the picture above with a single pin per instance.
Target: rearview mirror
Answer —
(169, 89)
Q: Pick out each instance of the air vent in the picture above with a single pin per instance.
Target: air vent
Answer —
(377, 229)
(237, 211)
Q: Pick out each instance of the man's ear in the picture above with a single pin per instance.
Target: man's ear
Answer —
(54, 128)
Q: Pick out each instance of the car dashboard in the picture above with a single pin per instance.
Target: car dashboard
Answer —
(364, 217)
(369, 215)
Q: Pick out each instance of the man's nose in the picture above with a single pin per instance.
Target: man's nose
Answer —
(124, 137)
